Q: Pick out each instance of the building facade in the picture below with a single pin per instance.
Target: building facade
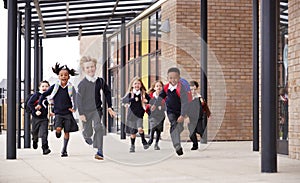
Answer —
(168, 34)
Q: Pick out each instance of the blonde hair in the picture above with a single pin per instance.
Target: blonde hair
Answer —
(85, 59)
(143, 88)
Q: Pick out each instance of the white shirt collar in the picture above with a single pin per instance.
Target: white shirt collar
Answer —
(171, 87)
(136, 92)
(155, 95)
(91, 79)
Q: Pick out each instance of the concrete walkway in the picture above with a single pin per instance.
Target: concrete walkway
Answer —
(216, 162)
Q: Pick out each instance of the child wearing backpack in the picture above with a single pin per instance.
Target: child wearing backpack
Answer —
(89, 105)
(157, 116)
(137, 98)
(177, 96)
(39, 122)
(63, 95)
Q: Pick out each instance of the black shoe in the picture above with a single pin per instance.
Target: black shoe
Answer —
(132, 149)
(64, 154)
(156, 147)
(89, 141)
(35, 144)
(150, 142)
(58, 135)
(179, 151)
(99, 156)
(194, 148)
(46, 151)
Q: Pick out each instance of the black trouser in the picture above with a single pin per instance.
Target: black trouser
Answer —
(175, 130)
(39, 128)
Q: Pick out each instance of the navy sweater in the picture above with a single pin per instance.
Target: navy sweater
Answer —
(33, 101)
(89, 96)
(175, 104)
(135, 109)
(62, 100)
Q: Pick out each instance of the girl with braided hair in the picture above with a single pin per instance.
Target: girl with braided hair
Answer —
(63, 95)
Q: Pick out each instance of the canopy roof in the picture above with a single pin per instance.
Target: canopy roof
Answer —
(62, 18)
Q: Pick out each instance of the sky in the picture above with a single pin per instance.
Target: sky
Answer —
(62, 50)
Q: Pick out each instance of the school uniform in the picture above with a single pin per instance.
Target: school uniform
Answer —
(156, 118)
(176, 106)
(63, 98)
(135, 111)
(90, 104)
(39, 124)
(195, 116)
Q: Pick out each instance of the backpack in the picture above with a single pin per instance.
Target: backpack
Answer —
(26, 107)
(181, 84)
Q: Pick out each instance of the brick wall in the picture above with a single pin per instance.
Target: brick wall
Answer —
(229, 59)
(294, 79)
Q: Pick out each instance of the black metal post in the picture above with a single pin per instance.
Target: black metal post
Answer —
(268, 91)
(104, 75)
(41, 60)
(255, 62)
(123, 52)
(36, 58)
(27, 77)
(204, 62)
(19, 79)
(11, 80)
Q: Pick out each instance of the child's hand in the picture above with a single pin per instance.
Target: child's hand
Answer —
(82, 118)
(38, 113)
(153, 108)
(180, 119)
(38, 107)
(72, 110)
(111, 112)
(145, 100)
(52, 114)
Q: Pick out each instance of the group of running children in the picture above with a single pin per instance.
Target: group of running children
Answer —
(172, 98)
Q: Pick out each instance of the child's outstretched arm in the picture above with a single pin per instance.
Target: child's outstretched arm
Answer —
(43, 97)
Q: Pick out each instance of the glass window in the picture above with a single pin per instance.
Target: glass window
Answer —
(138, 38)
(152, 32)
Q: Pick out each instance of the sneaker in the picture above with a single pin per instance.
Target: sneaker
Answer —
(156, 147)
(132, 149)
(58, 134)
(146, 146)
(99, 156)
(179, 151)
(64, 154)
(35, 144)
(89, 141)
(46, 151)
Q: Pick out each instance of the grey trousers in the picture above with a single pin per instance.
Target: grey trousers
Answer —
(94, 124)
(175, 130)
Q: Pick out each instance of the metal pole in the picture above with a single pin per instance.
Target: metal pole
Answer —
(41, 60)
(123, 52)
(104, 75)
(204, 63)
(27, 77)
(255, 62)
(268, 91)
(19, 79)
(11, 79)
(36, 59)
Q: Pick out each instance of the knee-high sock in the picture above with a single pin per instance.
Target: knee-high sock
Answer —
(65, 145)
(157, 136)
(143, 138)
(132, 141)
